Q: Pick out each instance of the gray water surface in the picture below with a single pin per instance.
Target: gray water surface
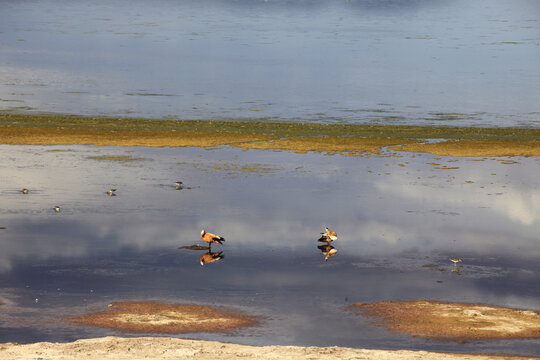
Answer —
(399, 220)
(462, 63)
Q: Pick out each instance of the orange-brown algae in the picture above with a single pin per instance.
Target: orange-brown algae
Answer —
(152, 317)
(453, 321)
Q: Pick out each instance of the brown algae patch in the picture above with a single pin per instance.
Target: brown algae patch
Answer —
(329, 144)
(476, 148)
(150, 138)
(453, 321)
(446, 167)
(151, 317)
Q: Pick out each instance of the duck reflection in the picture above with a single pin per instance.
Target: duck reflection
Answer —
(327, 250)
(211, 257)
(208, 257)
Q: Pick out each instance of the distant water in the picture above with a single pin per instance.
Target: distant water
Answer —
(463, 63)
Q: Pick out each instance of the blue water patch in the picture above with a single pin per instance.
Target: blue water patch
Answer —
(460, 63)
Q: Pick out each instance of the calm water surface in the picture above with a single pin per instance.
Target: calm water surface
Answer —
(393, 215)
(464, 63)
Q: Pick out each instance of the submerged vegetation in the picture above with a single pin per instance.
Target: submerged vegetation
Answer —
(292, 136)
(117, 158)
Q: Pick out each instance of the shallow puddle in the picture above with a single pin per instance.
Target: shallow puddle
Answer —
(398, 219)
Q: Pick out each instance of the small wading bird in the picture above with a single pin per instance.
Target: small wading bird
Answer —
(211, 257)
(110, 192)
(455, 261)
(24, 191)
(178, 185)
(56, 208)
(211, 238)
(328, 236)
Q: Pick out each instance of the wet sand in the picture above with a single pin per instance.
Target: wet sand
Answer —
(173, 348)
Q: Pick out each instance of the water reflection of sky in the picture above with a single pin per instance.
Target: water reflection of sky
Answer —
(393, 216)
(422, 62)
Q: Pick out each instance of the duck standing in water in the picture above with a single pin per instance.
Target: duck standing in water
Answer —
(211, 238)
(328, 236)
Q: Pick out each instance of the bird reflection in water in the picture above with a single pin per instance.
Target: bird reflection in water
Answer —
(327, 250)
(208, 257)
(211, 257)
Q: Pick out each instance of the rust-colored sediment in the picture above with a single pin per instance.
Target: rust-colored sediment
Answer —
(476, 148)
(107, 137)
(151, 317)
(328, 144)
(453, 321)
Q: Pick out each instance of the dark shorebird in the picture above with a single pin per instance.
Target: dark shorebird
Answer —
(210, 257)
(179, 185)
(211, 238)
(328, 236)
(110, 192)
(56, 208)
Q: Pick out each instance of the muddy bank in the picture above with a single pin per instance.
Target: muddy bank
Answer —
(173, 348)
(453, 321)
(298, 137)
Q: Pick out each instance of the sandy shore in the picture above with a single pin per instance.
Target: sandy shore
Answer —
(172, 348)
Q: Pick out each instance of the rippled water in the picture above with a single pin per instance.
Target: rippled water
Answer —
(472, 63)
(399, 220)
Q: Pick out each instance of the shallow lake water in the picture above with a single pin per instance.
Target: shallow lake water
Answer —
(399, 219)
(472, 63)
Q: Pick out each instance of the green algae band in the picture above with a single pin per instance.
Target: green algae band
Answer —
(298, 137)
